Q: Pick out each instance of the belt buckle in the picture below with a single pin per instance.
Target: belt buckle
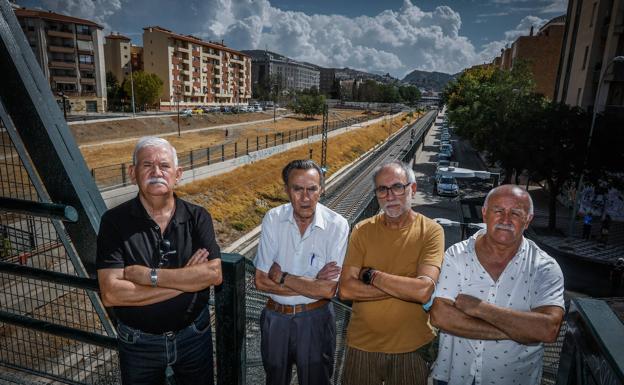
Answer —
(170, 335)
(294, 309)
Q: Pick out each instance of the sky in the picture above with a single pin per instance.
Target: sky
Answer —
(390, 36)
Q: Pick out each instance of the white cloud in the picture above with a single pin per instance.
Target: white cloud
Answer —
(95, 10)
(556, 6)
(395, 41)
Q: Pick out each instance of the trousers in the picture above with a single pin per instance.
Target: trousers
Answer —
(306, 340)
(145, 359)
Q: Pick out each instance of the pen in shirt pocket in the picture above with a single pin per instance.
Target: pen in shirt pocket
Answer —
(312, 259)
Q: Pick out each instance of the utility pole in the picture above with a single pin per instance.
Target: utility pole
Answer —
(324, 141)
(132, 87)
(178, 104)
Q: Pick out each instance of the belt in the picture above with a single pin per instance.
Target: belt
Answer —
(294, 309)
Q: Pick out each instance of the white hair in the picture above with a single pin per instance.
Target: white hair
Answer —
(152, 141)
(409, 173)
(515, 189)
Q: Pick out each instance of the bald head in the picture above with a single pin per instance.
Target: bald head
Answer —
(511, 190)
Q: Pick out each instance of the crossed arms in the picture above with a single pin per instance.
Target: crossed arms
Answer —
(469, 317)
(407, 288)
(131, 285)
(322, 286)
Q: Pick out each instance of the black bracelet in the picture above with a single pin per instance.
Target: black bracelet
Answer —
(367, 276)
(283, 278)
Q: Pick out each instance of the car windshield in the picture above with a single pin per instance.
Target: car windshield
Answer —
(447, 180)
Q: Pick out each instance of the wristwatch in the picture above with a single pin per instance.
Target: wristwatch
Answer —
(283, 278)
(367, 276)
(154, 277)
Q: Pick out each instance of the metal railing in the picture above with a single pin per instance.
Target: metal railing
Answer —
(116, 175)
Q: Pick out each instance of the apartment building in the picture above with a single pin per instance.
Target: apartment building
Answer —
(293, 75)
(121, 56)
(194, 71)
(541, 51)
(327, 81)
(594, 36)
(71, 55)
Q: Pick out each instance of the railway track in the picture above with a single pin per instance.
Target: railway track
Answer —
(349, 193)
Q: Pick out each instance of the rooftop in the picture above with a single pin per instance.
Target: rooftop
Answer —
(194, 40)
(47, 15)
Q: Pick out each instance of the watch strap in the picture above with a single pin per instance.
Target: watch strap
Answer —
(283, 278)
(154, 277)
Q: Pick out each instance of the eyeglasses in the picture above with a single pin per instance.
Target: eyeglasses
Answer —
(397, 189)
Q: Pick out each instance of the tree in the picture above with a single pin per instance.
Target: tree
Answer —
(308, 103)
(147, 88)
(114, 92)
(409, 94)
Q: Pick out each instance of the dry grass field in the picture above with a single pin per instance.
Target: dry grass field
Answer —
(238, 200)
(115, 153)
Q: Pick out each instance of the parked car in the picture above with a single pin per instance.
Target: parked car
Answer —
(446, 148)
(447, 185)
(198, 111)
(445, 136)
(186, 112)
(226, 109)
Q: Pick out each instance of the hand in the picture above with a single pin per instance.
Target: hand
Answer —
(137, 274)
(275, 273)
(330, 271)
(200, 256)
(468, 304)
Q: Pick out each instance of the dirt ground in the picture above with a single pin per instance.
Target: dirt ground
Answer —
(116, 153)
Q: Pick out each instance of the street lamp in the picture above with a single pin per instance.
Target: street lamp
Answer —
(579, 185)
(132, 87)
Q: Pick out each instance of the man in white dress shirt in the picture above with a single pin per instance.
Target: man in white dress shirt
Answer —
(302, 247)
(499, 297)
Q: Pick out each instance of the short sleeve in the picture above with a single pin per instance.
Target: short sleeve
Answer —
(206, 235)
(433, 249)
(355, 250)
(548, 285)
(449, 283)
(339, 244)
(109, 254)
(267, 249)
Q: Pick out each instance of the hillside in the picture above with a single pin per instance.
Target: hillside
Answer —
(429, 80)
(349, 73)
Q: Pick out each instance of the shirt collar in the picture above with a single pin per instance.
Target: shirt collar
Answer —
(473, 239)
(180, 215)
(318, 221)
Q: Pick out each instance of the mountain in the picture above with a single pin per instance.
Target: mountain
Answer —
(349, 73)
(428, 80)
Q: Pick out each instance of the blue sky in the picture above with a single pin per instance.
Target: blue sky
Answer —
(394, 36)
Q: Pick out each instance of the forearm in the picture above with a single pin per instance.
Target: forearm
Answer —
(126, 293)
(263, 283)
(310, 287)
(404, 288)
(355, 290)
(188, 279)
(454, 321)
(525, 327)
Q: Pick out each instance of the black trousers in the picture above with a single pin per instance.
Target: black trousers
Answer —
(307, 340)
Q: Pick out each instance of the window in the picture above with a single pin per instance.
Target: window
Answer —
(83, 30)
(125, 56)
(593, 14)
(585, 57)
(86, 59)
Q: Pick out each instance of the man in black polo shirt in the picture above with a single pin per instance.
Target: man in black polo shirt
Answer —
(157, 257)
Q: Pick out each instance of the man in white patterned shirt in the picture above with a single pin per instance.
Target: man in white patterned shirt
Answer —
(499, 297)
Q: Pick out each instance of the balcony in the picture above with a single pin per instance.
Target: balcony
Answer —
(176, 60)
(65, 34)
(83, 37)
(64, 79)
(87, 66)
(87, 81)
(196, 74)
(62, 64)
(56, 48)
(196, 53)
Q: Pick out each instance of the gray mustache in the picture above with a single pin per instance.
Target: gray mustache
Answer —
(157, 180)
(504, 227)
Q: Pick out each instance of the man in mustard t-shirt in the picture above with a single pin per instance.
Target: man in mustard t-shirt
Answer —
(390, 270)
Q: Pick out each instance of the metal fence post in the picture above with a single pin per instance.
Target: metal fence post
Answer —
(208, 155)
(266, 141)
(257, 142)
(123, 174)
(235, 149)
(191, 158)
(222, 152)
(247, 147)
(230, 327)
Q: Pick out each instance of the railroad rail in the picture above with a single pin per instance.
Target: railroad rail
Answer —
(350, 192)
